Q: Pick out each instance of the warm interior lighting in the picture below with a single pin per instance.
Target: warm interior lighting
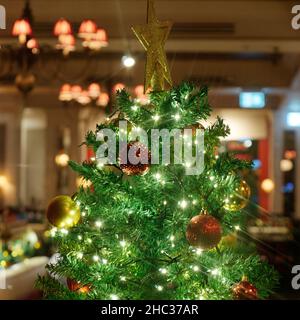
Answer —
(3, 181)
(267, 185)
(118, 86)
(94, 90)
(84, 97)
(103, 99)
(62, 27)
(128, 61)
(62, 159)
(87, 29)
(286, 165)
(65, 93)
(21, 29)
(76, 91)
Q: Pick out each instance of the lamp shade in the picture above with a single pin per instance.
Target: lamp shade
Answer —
(103, 99)
(118, 86)
(94, 90)
(76, 91)
(65, 93)
(87, 28)
(21, 27)
(101, 36)
(62, 27)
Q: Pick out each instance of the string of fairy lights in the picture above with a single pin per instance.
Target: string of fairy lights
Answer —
(125, 245)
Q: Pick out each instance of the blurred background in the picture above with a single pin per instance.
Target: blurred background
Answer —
(61, 63)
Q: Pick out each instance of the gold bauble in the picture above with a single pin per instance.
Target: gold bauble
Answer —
(239, 199)
(62, 212)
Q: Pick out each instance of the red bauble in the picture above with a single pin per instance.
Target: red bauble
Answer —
(78, 287)
(244, 290)
(138, 151)
(204, 231)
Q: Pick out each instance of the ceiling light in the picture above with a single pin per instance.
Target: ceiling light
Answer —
(128, 61)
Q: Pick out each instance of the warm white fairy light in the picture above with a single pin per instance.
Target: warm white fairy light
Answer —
(53, 232)
(114, 297)
(89, 240)
(172, 238)
(122, 278)
(237, 227)
(79, 255)
(123, 243)
(196, 268)
(177, 116)
(104, 261)
(96, 258)
(78, 202)
(79, 237)
(215, 185)
(194, 202)
(163, 270)
(98, 224)
(83, 213)
(159, 288)
(156, 117)
(199, 251)
(183, 204)
(217, 157)
(215, 272)
(226, 200)
(211, 178)
(93, 159)
(134, 108)
(157, 176)
(107, 119)
(64, 231)
(165, 203)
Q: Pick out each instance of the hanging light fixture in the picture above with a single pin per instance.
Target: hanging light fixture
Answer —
(65, 93)
(84, 98)
(94, 90)
(118, 87)
(62, 27)
(22, 29)
(87, 29)
(76, 91)
(103, 100)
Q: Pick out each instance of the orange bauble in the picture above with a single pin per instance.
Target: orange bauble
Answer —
(78, 287)
(204, 231)
(244, 290)
(139, 151)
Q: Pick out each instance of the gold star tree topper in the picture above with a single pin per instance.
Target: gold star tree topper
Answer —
(153, 37)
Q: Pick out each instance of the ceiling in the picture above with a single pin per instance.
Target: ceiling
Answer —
(227, 44)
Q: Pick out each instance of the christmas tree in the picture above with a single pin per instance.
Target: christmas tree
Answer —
(147, 230)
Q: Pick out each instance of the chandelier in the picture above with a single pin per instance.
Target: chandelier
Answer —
(31, 53)
(92, 37)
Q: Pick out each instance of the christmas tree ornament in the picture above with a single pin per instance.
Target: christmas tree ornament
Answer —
(244, 290)
(78, 287)
(153, 36)
(239, 199)
(194, 128)
(138, 159)
(62, 212)
(204, 231)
